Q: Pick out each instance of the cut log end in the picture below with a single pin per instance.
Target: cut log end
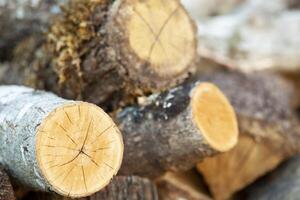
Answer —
(79, 149)
(150, 29)
(214, 116)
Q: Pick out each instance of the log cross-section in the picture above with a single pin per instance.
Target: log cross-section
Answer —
(146, 32)
(72, 148)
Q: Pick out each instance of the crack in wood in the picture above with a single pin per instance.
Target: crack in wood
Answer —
(84, 178)
(66, 132)
(161, 30)
(102, 132)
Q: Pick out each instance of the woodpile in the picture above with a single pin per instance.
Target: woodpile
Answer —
(126, 99)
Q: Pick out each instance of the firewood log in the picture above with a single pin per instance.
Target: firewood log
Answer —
(179, 123)
(106, 53)
(269, 130)
(182, 185)
(174, 130)
(281, 184)
(132, 188)
(52, 144)
(6, 190)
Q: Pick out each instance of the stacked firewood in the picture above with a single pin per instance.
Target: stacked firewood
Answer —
(110, 99)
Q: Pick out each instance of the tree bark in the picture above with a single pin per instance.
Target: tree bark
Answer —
(176, 129)
(52, 144)
(6, 190)
(268, 126)
(93, 49)
(131, 187)
(281, 184)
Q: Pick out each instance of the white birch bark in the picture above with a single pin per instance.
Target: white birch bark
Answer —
(21, 111)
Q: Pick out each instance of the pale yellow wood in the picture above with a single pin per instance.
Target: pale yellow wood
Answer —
(79, 149)
(232, 171)
(214, 116)
(161, 32)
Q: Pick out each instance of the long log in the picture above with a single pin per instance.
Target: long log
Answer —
(6, 190)
(53, 144)
(174, 130)
(93, 49)
(281, 184)
(131, 187)
(269, 130)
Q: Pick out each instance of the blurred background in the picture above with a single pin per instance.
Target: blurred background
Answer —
(249, 35)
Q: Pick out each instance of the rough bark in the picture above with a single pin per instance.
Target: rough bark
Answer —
(6, 190)
(92, 50)
(163, 134)
(268, 126)
(182, 185)
(281, 184)
(45, 137)
(131, 187)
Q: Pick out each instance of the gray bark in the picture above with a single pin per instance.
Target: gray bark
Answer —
(21, 111)
(161, 135)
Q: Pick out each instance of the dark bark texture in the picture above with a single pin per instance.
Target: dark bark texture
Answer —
(131, 188)
(6, 190)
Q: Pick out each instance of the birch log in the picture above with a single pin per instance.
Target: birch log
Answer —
(52, 144)
(97, 48)
(6, 190)
(268, 126)
(176, 129)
